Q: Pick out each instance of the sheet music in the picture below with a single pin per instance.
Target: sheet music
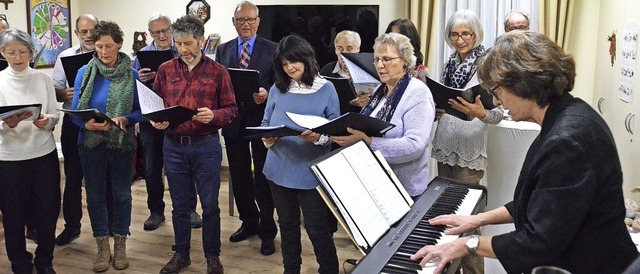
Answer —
(149, 100)
(307, 121)
(358, 75)
(370, 198)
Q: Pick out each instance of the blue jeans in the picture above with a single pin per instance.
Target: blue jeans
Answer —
(198, 164)
(98, 164)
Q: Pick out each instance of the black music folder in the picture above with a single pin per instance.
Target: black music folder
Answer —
(273, 131)
(8, 111)
(152, 59)
(3, 64)
(87, 114)
(346, 93)
(371, 126)
(73, 63)
(442, 94)
(363, 61)
(245, 83)
(361, 190)
(152, 108)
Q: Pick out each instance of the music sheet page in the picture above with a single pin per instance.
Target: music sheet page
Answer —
(149, 100)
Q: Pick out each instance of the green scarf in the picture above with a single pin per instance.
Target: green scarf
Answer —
(119, 102)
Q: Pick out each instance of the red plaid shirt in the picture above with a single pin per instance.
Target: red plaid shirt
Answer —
(206, 85)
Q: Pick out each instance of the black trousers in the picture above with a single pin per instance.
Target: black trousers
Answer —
(153, 162)
(72, 197)
(35, 184)
(251, 187)
(288, 203)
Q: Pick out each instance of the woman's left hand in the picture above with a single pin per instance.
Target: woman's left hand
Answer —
(474, 109)
(354, 135)
(121, 122)
(42, 121)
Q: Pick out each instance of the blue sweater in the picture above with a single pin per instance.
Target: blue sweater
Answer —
(99, 101)
(287, 160)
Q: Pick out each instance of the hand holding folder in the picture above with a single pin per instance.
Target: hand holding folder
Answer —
(152, 108)
(442, 94)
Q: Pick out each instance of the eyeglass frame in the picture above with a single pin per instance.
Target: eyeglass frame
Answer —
(458, 36)
(4, 17)
(14, 54)
(158, 32)
(385, 59)
(241, 21)
(494, 93)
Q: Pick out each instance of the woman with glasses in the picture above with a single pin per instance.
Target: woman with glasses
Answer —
(405, 102)
(459, 146)
(29, 168)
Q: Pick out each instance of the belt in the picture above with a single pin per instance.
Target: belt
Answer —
(186, 139)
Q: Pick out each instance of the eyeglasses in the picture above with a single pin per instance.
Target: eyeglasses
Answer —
(13, 54)
(523, 27)
(494, 92)
(455, 36)
(241, 21)
(385, 59)
(85, 31)
(3, 17)
(158, 32)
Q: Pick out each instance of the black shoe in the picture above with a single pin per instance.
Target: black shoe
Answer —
(196, 220)
(154, 221)
(242, 234)
(214, 266)
(176, 264)
(45, 270)
(267, 248)
(32, 234)
(67, 235)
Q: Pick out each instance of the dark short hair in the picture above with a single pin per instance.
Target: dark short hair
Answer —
(408, 29)
(294, 48)
(529, 65)
(188, 24)
(107, 28)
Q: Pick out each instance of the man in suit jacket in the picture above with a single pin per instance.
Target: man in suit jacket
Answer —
(250, 52)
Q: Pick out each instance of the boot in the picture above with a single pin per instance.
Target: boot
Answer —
(120, 261)
(103, 258)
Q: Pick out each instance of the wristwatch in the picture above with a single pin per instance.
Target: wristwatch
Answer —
(472, 244)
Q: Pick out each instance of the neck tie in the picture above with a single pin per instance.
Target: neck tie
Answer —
(245, 56)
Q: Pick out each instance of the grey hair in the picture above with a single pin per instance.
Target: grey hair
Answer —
(466, 18)
(188, 24)
(512, 13)
(401, 43)
(16, 36)
(349, 35)
(159, 16)
(246, 4)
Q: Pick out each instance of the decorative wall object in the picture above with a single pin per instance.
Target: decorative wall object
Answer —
(50, 28)
(612, 46)
(199, 8)
(628, 63)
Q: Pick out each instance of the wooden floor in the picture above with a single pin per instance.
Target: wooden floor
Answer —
(149, 251)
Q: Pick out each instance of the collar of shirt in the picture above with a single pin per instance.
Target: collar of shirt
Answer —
(338, 70)
(252, 42)
(296, 88)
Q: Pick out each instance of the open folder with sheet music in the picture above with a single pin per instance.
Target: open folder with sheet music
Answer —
(363, 72)
(8, 111)
(361, 190)
(152, 108)
(442, 94)
(337, 127)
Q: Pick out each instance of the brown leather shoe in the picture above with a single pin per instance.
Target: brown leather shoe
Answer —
(176, 264)
(214, 266)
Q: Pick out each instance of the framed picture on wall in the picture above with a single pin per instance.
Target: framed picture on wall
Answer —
(49, 24)
(199, 8)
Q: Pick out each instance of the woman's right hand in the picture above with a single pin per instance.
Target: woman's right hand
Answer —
(12, 121)
(92, 125)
